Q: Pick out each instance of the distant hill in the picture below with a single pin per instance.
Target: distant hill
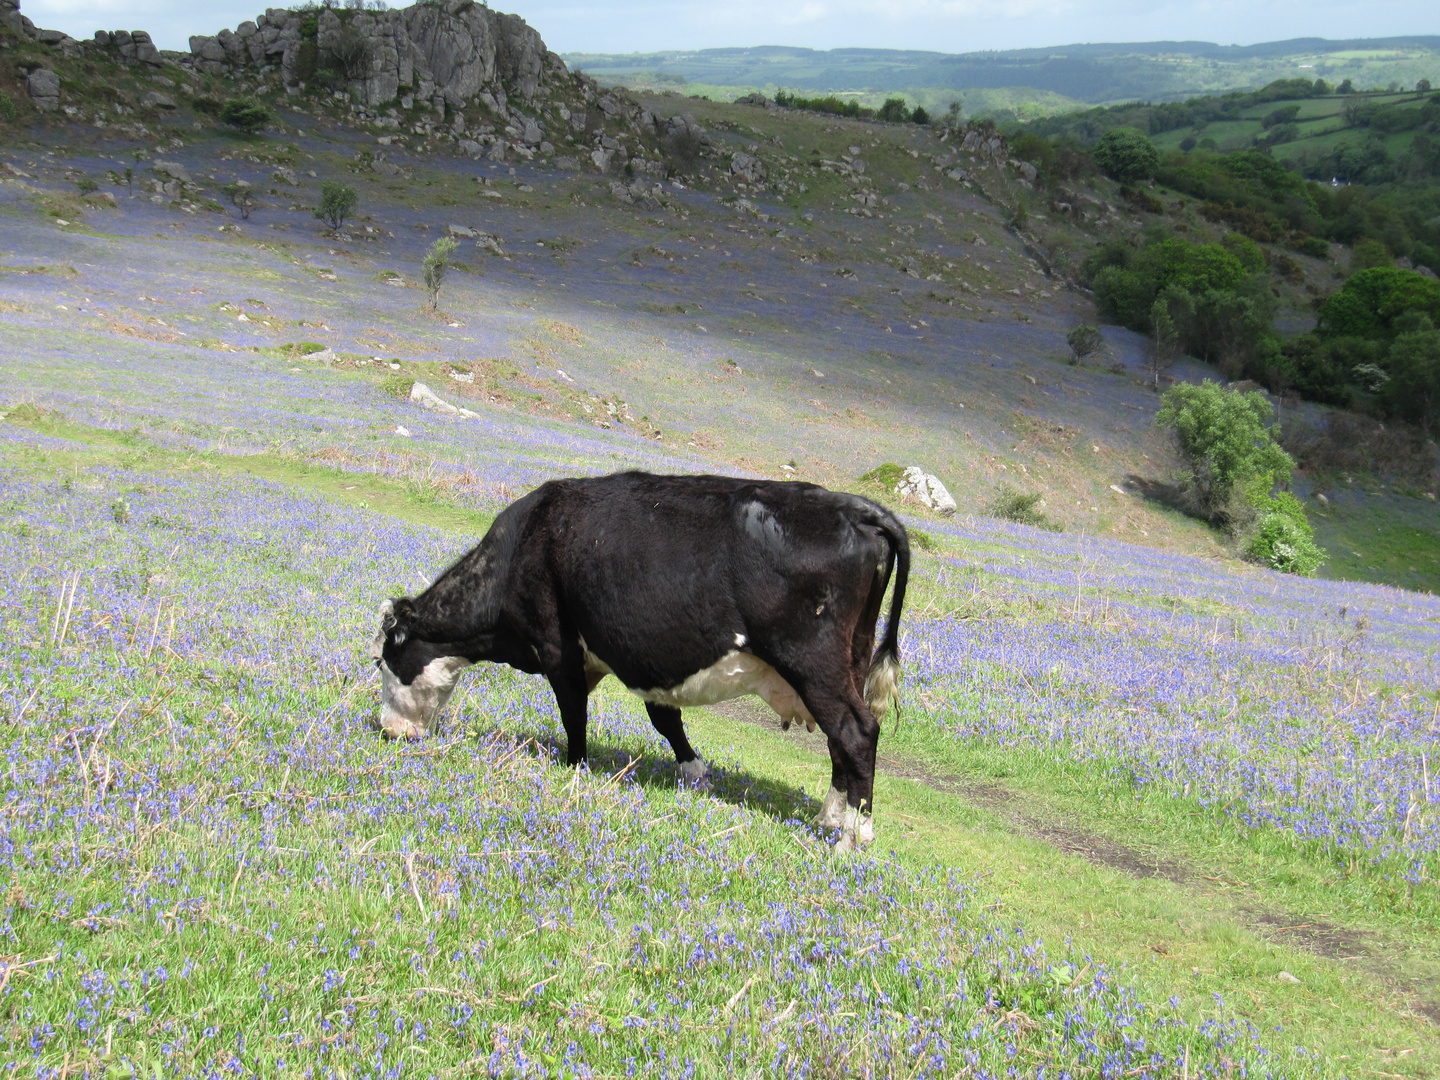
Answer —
(1056, 77)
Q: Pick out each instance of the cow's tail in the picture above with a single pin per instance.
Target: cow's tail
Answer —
(882, 685)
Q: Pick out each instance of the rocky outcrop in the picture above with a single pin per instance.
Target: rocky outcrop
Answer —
(455, 54)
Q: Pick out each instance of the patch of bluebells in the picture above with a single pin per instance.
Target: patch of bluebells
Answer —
(1280, 702)
(219, 871)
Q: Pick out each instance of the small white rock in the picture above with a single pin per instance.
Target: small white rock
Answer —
(1286, 977)
(403, 431)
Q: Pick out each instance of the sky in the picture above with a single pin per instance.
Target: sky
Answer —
(939, 25)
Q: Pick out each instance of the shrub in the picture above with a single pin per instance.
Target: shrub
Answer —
(8, 112)
(246, 114)
(1126, 154)
(1225, 443)
(397, 385)
(349, 54)
(1011, 505)
(1413, 364)
(86, 186)
(1313, 246)
(887, 475)
(1084, 341)
(920, 116)
(337, 202)
(1282, 538)
(434, 266)
(1369, 255)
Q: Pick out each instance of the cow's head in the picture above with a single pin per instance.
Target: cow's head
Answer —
(416, 676)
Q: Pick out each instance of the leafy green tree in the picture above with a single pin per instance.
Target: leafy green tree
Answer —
(247, 114)
(894, 111)
(1225, 441)
(1126, 154)
(920, 116)
(337, 202)
(242, 197)
(1369, 254)
(1413, 364)
(435, 264)
(1372, 300)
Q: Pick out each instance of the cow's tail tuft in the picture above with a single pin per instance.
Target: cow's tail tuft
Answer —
(882, 684)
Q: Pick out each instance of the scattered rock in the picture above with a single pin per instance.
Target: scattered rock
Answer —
(927, 488)
(156, 100)
(1286, 977)
(285, 176)
(747, 167)
(43, 85)
(403, 431)
(755, 98)
(426, 398)
(173, 169)
(460, 232)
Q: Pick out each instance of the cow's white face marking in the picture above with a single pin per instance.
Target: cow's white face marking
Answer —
(734, 675)
(411, 712)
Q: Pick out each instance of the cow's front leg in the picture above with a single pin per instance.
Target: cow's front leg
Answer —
(571, 688)
(666, 719)
(832, 810)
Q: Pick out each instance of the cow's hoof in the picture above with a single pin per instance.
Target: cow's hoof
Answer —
(694, 770)
(856, 830)
(832, 810)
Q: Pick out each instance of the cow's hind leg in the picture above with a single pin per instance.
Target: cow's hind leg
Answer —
(666, 719)
(571, 688)
(854, 734)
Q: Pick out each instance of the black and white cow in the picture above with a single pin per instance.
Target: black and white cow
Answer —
(691, 590)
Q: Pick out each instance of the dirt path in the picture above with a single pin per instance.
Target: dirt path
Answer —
(1364, 949)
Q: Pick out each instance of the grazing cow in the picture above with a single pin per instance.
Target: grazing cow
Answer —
(691, 590)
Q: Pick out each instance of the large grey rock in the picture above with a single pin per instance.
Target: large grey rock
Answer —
(174, 170)
(156, 100)
(927, 488)
(43, 86)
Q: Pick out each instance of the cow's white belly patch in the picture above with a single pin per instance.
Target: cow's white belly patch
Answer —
(734, 675)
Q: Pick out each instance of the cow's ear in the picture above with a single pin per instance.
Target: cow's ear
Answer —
(394, 620)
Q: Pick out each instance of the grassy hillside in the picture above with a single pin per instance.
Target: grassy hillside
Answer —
(1148, 810)
(1092, 74)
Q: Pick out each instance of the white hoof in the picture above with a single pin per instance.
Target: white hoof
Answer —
(832, 810)
(694, 770)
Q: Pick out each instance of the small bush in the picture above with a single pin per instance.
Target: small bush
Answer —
(398, 386)
(120, 511)
(1023, 509)
(86, 186)
(242, 197)
(1313, 246)
(1283, 539)
(1084, 340)
(919, 538)
(305, 348)
(1126, 154)
(434, 266)
(8, 112)
(920, 116)
(887, 476)
(349, 54)
(337, 202)
(246, 114)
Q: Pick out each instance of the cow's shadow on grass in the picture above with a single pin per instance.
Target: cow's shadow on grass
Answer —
(654, 768)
